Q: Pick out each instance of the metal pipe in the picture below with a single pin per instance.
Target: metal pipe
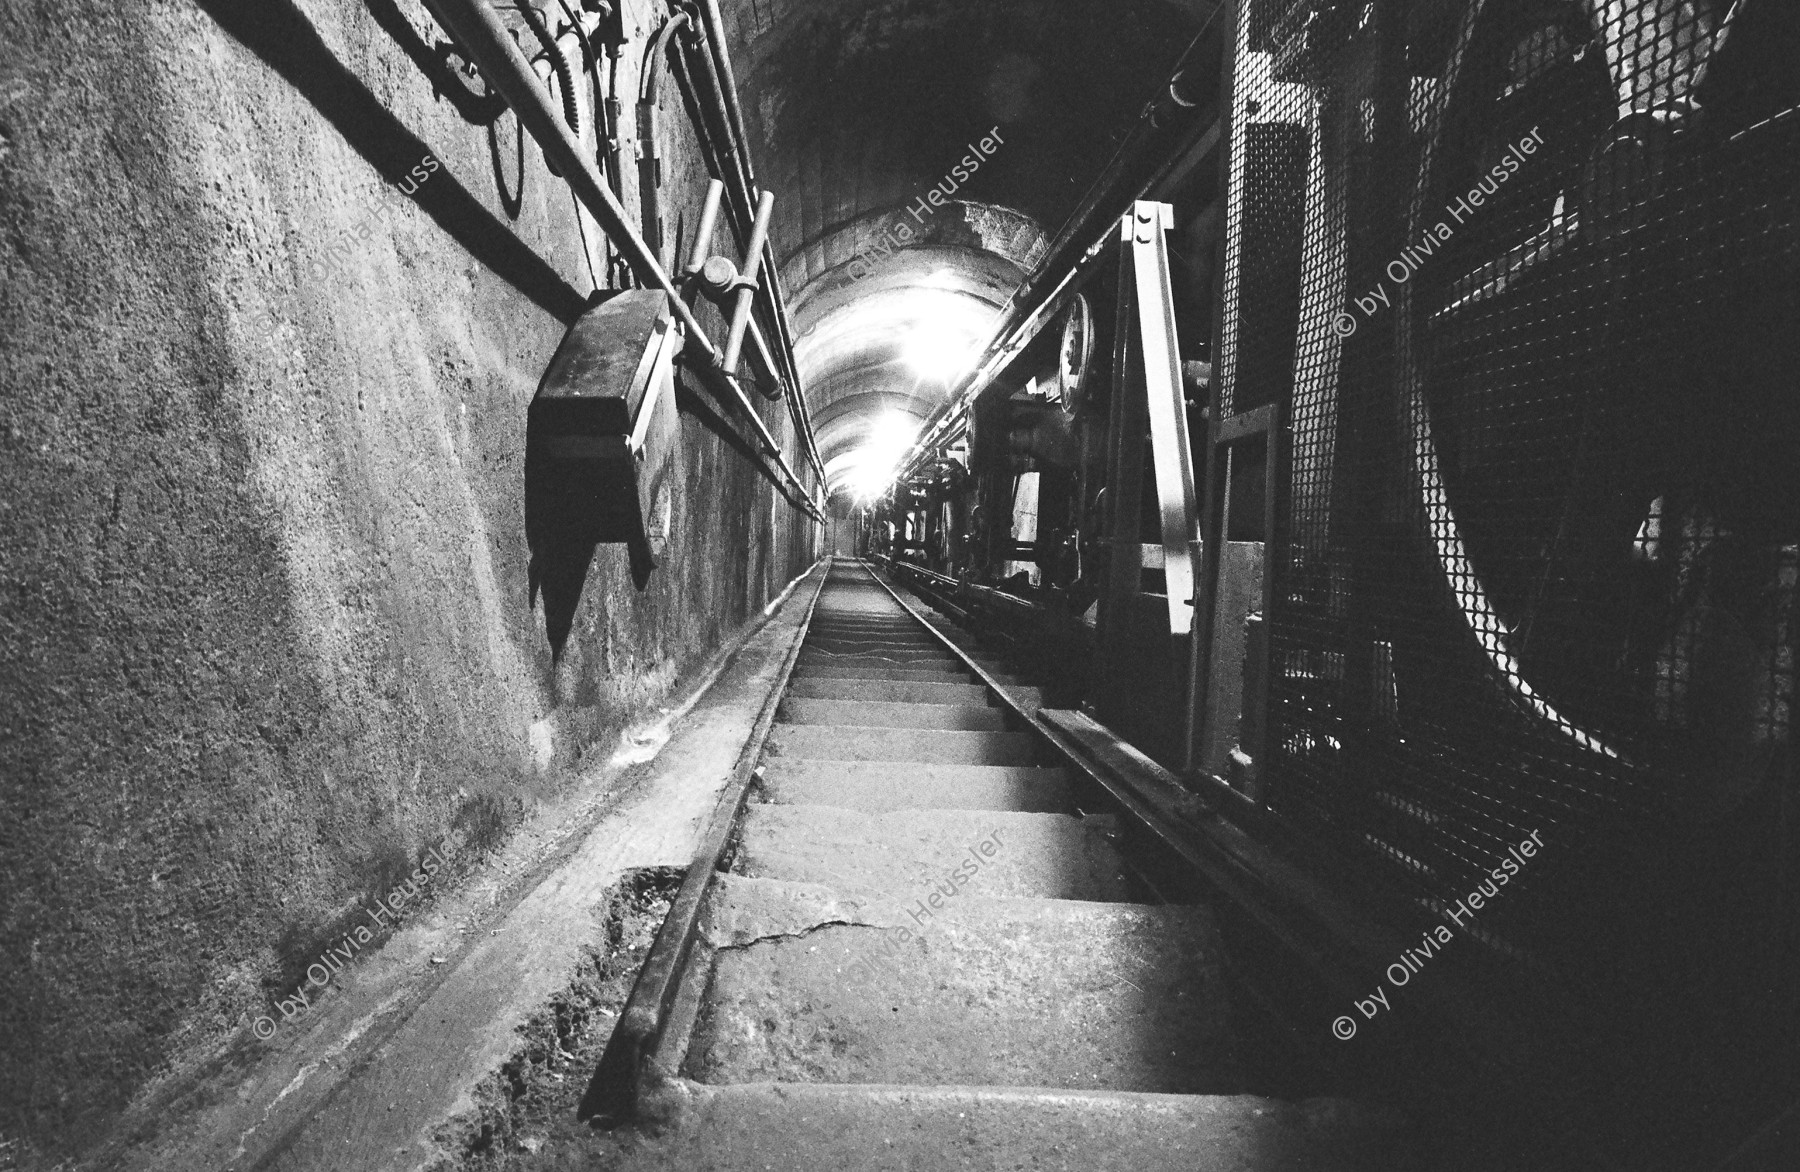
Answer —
(709, 220)
(715, 36)
(735, 164)
(649, 162)
(1027, 309)
(746, 284)
(1101, 195)
(658, 43)
(719, 378)
(477, 27)
(767, 360)
(724, 135)
(715, 63)
(720, 53)
(718, 278)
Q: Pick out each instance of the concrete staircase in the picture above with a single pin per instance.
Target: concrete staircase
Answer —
(924, 957)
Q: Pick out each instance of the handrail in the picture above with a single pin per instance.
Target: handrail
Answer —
(477, 27)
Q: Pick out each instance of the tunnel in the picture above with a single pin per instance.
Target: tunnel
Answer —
(910, 585)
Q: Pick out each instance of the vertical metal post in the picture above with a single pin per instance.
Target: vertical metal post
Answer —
(1145, 258)
(1124, 483)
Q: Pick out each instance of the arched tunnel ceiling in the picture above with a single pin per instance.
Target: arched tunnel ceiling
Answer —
(859, 110)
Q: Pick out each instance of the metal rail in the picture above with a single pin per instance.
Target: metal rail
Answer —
(640, 1054)
(1245, 854)
(626, 1069)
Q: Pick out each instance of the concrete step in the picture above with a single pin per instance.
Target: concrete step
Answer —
(905, 687)
(890, 714)
(905, 855)
(881, 663)
(886, 650)
(822, 670)
(897, 626)
(841, 645)
(816, 742)
(809, 985)
(1029, 699)
(920, 656)
(900, 625)
(835, 1127)
(880, 785)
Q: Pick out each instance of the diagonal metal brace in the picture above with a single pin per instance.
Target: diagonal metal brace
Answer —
(1144, 280)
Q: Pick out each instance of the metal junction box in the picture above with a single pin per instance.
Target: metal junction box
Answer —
(604, 421)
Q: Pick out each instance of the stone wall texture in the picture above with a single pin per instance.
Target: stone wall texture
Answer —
(268, 625)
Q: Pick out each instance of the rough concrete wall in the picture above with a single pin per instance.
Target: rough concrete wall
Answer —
(266, 629)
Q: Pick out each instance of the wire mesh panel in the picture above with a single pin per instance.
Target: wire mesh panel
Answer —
(1522, 276)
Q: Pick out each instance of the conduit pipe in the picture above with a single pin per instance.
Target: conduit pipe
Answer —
(477, 27)
(696, 266)
(715, 37)
(724, 82)
(746, 283)
(730, 159)
(649, 162)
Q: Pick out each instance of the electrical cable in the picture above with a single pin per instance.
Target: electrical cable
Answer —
(586, 47)
(565, 74)
(593, 69)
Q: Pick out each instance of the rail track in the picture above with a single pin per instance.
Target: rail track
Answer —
(915, 918)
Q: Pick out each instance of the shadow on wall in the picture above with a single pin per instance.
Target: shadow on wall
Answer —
(484, 110)
(477, 109)
(281, 35)
(561, 503)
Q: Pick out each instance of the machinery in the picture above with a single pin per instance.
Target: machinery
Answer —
(1443, 486)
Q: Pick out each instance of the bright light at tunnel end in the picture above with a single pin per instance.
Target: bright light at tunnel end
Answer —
(937, 358)
(914, 343)
(870, 468)
(942, 330)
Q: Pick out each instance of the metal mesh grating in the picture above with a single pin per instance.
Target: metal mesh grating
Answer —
(1522, 275)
